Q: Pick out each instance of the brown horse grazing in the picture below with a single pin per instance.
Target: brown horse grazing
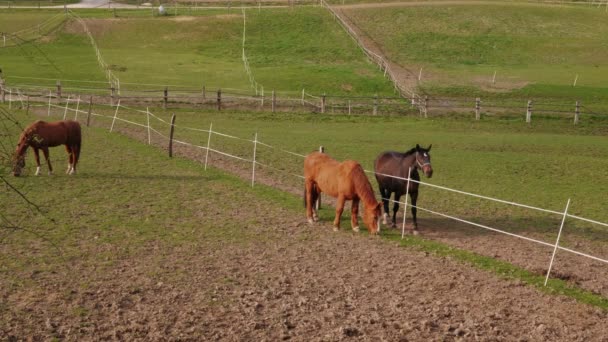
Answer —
(345, 181)
(397, 164)
(41, 135)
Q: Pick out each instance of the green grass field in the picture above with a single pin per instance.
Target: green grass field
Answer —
(542, 164)
(288, 50)
(535, 50)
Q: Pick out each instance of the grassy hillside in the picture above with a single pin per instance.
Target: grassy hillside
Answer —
(288, 50)
(536, 50)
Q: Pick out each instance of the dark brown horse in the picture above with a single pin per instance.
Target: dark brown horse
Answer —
(397, 164)
(345, 181)
(41, 135)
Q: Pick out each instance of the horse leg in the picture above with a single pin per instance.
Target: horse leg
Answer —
(74, 158)
(45, 150)
(309, 188)
(68, 149)
(37, 157)
(414, 198)
(385, 197)
(315, 202)
(76, 149)
(354, 215)
(396, 209)
(339, 210)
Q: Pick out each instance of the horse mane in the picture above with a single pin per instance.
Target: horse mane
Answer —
(29, 130)
(362, 186)
(411, 151)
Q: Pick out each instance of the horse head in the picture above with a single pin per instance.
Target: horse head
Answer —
(19, 156)
(423, 160)
(371, 217)
(18, 164)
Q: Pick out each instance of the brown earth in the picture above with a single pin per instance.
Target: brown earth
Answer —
(293, 282)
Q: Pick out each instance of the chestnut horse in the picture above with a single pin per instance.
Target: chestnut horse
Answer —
(344, 181)
(397, 164)
(41, 135)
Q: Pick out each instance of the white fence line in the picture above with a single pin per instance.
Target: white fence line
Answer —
(406, 205)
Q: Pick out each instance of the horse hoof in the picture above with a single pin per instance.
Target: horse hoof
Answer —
(384, 219)
(336, 229)
(356, 229)
(310, 221)
(415, 232)
(50, 173)
(394, 226)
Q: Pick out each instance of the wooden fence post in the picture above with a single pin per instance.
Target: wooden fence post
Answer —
(529, 112)
(171, 135)
(89, 111)
(426, 106)
(58, 84)
(2, 92)
(477, 108)
(112, 94)
(375, 108)
(349, 107)
(27, 110)
(204, 95)
(323, 103)
(274, 101)
(219, 99)
(165, 97)
(577, 112)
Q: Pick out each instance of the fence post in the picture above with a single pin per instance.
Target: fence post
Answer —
(115, 114)
(529, 112)
(89, 111)
(67, 103)
(318, 202)
(557, 241)
(349, 107)
(172, 129)
(77, 108)
(148, 120)
(58, 84)
(323, 103)
(302, 96)
(274, 101)
(375, 108)
(2, 93)
(219, 99)
(255, 146)
(407, 193)
(50, 97)
(477, 107)
(27, 110)
(208, 144)
(165, 97)
(426, 105)
(577, 112)
(204, 95)
(112, 94)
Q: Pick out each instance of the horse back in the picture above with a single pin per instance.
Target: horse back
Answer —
(390, 163)
(65, 132)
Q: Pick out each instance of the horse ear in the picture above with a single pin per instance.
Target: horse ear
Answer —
(417, 147)
(429, 149)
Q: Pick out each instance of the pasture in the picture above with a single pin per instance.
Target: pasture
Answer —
(288, 50)
(536, 50)
(141, 245)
